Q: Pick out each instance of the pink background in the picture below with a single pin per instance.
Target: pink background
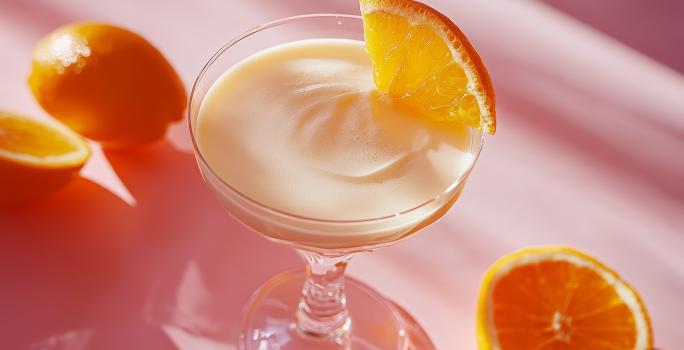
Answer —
(136, 254)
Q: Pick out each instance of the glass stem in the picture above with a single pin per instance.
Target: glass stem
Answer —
(322, 311)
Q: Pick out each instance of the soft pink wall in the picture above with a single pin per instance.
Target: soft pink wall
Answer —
(653, 27)
(138, 255)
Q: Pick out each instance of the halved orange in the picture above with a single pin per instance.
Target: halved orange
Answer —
(36, 157)
(557, 298)
(423, 59)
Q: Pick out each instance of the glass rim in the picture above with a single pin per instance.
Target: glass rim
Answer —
(200, 157)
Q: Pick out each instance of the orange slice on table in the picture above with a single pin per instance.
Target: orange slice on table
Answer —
(423, 59)
(557, 298)
(36, 157)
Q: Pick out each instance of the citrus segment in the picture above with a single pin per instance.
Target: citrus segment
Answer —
(559, 298)
(36, 157)
(376, 26)
(423, 59)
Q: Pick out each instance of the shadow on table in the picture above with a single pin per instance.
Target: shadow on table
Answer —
(84, 270)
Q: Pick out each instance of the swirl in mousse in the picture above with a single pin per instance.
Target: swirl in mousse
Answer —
(300, 128)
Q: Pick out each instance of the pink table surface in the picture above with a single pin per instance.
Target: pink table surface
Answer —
(136, 254)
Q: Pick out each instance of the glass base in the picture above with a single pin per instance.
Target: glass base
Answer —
(376, 323)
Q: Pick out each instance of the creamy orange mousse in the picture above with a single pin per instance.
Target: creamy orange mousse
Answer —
(301, 128)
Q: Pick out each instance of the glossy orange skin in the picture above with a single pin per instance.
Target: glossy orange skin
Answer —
(106, 83)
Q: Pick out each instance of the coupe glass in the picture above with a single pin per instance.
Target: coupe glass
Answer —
(309, 309)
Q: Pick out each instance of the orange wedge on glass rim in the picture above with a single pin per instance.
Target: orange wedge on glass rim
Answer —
(557, 298)
(423, 59)
(36, 157)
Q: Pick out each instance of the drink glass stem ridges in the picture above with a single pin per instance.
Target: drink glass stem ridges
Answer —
(322, 310)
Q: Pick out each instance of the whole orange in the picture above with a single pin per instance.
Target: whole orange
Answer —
(107, 83)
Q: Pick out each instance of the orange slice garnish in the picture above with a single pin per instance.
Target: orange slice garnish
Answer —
(557, 298)
(423, 59)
